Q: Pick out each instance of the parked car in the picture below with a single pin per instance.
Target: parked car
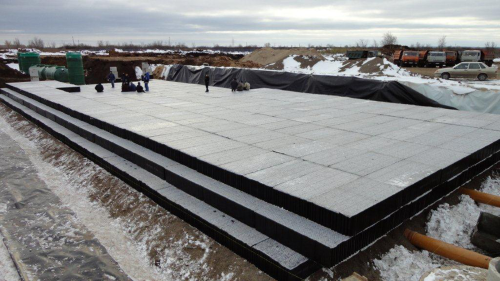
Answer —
(478, 56)
(477, 70)
(436, 59)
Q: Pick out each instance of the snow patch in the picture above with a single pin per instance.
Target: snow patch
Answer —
(401, 264)
(14, 66)
(454, 224)
(138, 72)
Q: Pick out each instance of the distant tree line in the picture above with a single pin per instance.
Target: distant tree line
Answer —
(388, 41)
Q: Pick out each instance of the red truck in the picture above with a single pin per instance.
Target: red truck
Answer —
(451, 58)
(422, 58)
(478, 56)
(396, 57)
(409, 58)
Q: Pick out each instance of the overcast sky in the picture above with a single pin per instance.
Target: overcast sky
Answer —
(293, 22)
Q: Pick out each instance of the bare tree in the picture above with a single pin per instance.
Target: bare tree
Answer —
(375, 44)
(100, 44)
(362, 43)
(442, 42)
(389, 39)
(8, 44)
(488, 45)
(16, 43)
(53, 45)
(267, 45)
(36, 43)
(418, 46)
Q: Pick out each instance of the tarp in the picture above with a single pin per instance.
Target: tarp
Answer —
(351, 87)
(485, 101)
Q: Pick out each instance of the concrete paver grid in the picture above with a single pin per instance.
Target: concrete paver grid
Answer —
(323, 149)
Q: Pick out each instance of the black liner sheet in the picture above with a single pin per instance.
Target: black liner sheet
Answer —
(351, 87)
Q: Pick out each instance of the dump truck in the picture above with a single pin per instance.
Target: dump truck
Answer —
(478, 56)
(451, 58)
(422, 58)
(436, 58)
(409, 58)
(396, 57)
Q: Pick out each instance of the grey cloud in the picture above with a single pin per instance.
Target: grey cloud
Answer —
(99, 19)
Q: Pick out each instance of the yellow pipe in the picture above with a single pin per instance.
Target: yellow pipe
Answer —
(446, 250)
(482, 197)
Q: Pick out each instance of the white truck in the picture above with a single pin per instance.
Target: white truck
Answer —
(435, 58)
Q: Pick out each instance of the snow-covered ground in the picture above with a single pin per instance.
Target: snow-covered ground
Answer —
(12, 53)
(451, 224)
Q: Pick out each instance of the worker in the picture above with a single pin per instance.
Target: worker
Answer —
(145, 79)
(111, 78)
(139, 88)
(234, 85)
(99, 88)
(207, 81)
(124, 79)
(132, 87)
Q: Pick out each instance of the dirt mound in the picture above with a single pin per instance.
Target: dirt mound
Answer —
(158, 71)
(9, 75)
(374, 66)
(266, 56)
(97, 67)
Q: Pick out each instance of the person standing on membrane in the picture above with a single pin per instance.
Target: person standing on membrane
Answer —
(145, 79)
(111, 78)
(207, 81)
(234, 85)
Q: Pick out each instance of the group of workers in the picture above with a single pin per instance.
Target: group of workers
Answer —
(235, 85)
(127, 84)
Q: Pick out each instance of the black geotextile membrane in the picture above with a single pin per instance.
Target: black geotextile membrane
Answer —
(382, 217)
(351, 87)
(105, 160)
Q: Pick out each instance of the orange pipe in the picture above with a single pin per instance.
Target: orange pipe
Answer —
(481, 197)
(446, 250)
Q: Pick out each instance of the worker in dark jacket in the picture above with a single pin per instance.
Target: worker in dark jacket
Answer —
(207, 81)
(139, 88)
(124, 79)
(132, 87)
(234, 85)
(99, 88)
(145, 79)
(111, 79)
